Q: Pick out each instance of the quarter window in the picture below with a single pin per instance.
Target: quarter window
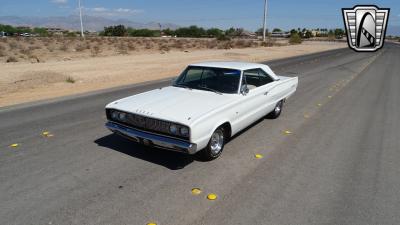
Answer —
(256, 78)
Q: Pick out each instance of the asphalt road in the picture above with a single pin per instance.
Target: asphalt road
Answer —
(340, 165)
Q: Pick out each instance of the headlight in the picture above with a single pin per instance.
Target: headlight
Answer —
(114, 115)
(122, 116)
(173, 129)
(184, 131)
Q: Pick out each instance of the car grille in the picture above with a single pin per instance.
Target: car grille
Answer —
(147, 124)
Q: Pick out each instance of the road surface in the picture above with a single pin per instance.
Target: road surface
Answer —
(340, 164)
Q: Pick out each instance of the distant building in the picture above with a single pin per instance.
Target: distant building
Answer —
(319, 32)
(56, 31)
(24, 28)
(247, 34)
(280, 34)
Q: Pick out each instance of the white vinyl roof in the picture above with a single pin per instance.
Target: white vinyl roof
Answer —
(237, 66)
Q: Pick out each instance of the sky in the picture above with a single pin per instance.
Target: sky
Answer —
(284, 14)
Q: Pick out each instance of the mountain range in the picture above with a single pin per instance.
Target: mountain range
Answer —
(91, 23)
(95, 23)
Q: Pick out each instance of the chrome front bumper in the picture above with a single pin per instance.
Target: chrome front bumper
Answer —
(154, 140)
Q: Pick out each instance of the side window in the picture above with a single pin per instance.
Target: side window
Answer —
(251, 78)
(264, 77)
(256, 78)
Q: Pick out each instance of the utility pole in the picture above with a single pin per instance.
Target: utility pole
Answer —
(265, 19)
(80, 16)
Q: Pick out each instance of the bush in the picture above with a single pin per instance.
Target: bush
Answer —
(95, 50)
(11, 59)
(121, 49)
(223, 37)
(80, 47)
(295, 39)
(70, 80)
(164, 48)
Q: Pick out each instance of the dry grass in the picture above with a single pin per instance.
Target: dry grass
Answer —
(60, 48)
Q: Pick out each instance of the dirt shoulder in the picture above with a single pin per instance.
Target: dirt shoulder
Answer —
(25, 82)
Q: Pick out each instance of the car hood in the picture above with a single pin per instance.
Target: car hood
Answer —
(173, 104)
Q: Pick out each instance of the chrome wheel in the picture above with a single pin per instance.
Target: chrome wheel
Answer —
(278, 108)
(217, 142)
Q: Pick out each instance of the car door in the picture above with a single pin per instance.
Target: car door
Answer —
(268, 86)
(255, 104)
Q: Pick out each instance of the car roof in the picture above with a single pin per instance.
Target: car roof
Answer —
(236, 65)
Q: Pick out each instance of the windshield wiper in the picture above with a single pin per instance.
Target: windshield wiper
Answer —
(209, 89)
(182, 86)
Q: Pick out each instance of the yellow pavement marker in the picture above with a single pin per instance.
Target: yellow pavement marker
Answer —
(212, 197)
(196, 191)
(47, 134)
(151, 224)
(14, 145)
(287, 132)
(258, 156)
(319, 104)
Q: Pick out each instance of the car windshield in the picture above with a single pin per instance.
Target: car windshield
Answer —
(218, 80)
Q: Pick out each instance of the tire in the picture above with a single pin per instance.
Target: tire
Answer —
(215, 146)
(277, 111)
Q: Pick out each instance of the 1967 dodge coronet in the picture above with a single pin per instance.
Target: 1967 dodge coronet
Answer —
(207, 104)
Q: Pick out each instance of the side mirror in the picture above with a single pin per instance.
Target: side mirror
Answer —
(244, 90)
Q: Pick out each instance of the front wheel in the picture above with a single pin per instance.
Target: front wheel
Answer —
(277, 110)
(215, 145)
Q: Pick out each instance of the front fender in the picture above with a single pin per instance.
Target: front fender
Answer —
(201, 132)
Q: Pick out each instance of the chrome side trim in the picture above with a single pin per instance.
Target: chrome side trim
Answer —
(152, 139)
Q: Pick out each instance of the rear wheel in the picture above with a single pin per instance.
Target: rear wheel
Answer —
(277, 110)
(215, 145)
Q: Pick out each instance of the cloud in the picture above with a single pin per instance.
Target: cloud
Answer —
(59, 1)
(108, 12)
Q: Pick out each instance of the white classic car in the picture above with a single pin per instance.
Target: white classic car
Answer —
(205, 106)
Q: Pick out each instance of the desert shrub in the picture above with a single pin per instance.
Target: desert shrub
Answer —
(13, 45)
(243, 43)
(11, 59)
(212, 44)
(88, 46)
(164, 47)
(50, 48)
(225, 45)
(25, 51)
(149, 45)
(80, 47)
(121, 49)
(223, 37)
(268, 43)
(178, 44)
(34, 58)
(70, 80)
(131, 46)
(295, 39)
(95, 51)
(32, 48)
(63, 48)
